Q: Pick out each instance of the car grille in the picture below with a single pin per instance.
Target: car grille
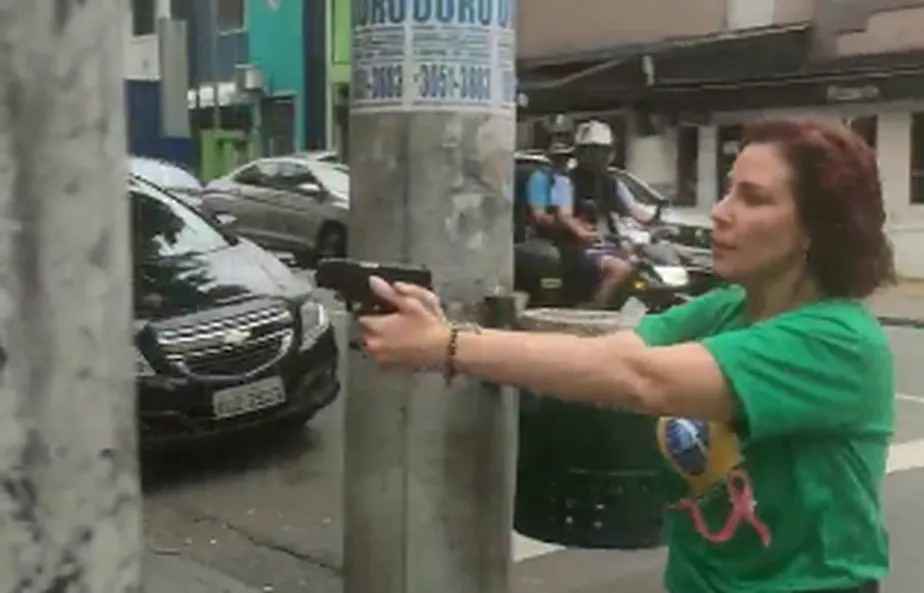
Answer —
(231, 346)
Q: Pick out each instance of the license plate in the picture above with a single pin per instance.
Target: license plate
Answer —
(243, 399)
(550, 283)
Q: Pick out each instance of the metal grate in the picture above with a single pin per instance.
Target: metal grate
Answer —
(230, 346)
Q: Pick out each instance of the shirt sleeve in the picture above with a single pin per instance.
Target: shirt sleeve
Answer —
(563, 193)
(537, 190)
(692, 321)
(798, 375)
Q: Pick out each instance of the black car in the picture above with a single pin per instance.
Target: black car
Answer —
(227, 338)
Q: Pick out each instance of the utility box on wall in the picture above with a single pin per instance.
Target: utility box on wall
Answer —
(248, 78)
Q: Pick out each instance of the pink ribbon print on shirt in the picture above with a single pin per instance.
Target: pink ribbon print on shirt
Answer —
(708, 454)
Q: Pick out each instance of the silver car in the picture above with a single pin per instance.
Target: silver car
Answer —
(286, 203)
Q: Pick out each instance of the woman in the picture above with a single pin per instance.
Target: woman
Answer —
(775, 394)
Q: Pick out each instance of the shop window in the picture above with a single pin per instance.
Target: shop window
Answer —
(230, 15)
(279, 125)
(729, 146)
(917, 158)
(687, 165)
(865, 127)
(143, 17)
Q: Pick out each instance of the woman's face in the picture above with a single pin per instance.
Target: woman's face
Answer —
(757, 233)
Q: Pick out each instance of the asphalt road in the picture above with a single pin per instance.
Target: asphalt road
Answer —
(267, 512)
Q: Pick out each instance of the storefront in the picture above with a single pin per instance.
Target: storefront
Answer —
(685, 102)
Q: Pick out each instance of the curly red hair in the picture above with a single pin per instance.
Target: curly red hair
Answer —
(839, 199)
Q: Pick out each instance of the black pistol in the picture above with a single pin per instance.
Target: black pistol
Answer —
(350, 279)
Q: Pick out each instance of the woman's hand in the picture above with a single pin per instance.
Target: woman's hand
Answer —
(416, 336)
(587, 234)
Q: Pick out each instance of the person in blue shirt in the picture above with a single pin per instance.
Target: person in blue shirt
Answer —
(551, 196)
(550, 193)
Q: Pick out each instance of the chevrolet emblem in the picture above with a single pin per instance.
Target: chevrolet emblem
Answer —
(236, 337)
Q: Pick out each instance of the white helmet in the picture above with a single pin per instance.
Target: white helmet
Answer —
(593, 132)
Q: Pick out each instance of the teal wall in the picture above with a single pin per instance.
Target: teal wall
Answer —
(277, 46)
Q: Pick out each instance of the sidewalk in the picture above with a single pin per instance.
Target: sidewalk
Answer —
(901, 305)
(162, 573)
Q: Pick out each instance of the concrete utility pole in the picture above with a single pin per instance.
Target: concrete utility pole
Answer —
(430, 469)
(70, 502)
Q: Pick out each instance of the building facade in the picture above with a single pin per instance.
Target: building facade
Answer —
(221, 117)
(276, 40)
(155, 69)
(678, 98)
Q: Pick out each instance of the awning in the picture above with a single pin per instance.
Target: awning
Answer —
(747, 69)
(609, 79)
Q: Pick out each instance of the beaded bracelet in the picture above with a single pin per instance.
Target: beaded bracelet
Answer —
(453, 346)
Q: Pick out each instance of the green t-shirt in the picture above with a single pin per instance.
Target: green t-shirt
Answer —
(814, 389)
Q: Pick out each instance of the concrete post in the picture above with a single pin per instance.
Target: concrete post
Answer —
(430, 469)
(69, 502)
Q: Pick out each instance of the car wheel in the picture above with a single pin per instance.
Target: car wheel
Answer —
(332, 242)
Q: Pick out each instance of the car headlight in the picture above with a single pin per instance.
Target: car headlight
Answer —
(314, 322)
(142, 367)
(673, 276)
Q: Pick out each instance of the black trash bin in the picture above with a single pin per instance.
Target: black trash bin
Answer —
(587, 476)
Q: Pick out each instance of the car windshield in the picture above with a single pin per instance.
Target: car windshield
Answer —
(163, 228)
(334, 179)
(638, 192)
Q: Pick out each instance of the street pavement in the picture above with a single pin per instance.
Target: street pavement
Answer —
(265, 515)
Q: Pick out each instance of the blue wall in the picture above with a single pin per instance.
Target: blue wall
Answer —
(142, 109)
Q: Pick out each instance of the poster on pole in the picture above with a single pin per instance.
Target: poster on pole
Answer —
(422, 55)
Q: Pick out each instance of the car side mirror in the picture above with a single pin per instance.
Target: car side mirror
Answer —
(310, 189)
(226, 220)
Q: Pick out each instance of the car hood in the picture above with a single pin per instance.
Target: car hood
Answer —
(180, 285)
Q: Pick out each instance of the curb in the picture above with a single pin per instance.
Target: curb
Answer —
(901, 322)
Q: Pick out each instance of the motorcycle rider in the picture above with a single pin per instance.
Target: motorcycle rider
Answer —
(599, 197)
(595, 188)
(554, 215)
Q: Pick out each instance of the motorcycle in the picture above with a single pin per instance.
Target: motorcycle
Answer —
(659, 280)
(696, 261)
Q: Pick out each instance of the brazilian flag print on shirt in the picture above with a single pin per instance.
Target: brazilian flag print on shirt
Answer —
(789, 497)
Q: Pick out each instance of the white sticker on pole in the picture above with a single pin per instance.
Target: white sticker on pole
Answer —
(434, 55)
